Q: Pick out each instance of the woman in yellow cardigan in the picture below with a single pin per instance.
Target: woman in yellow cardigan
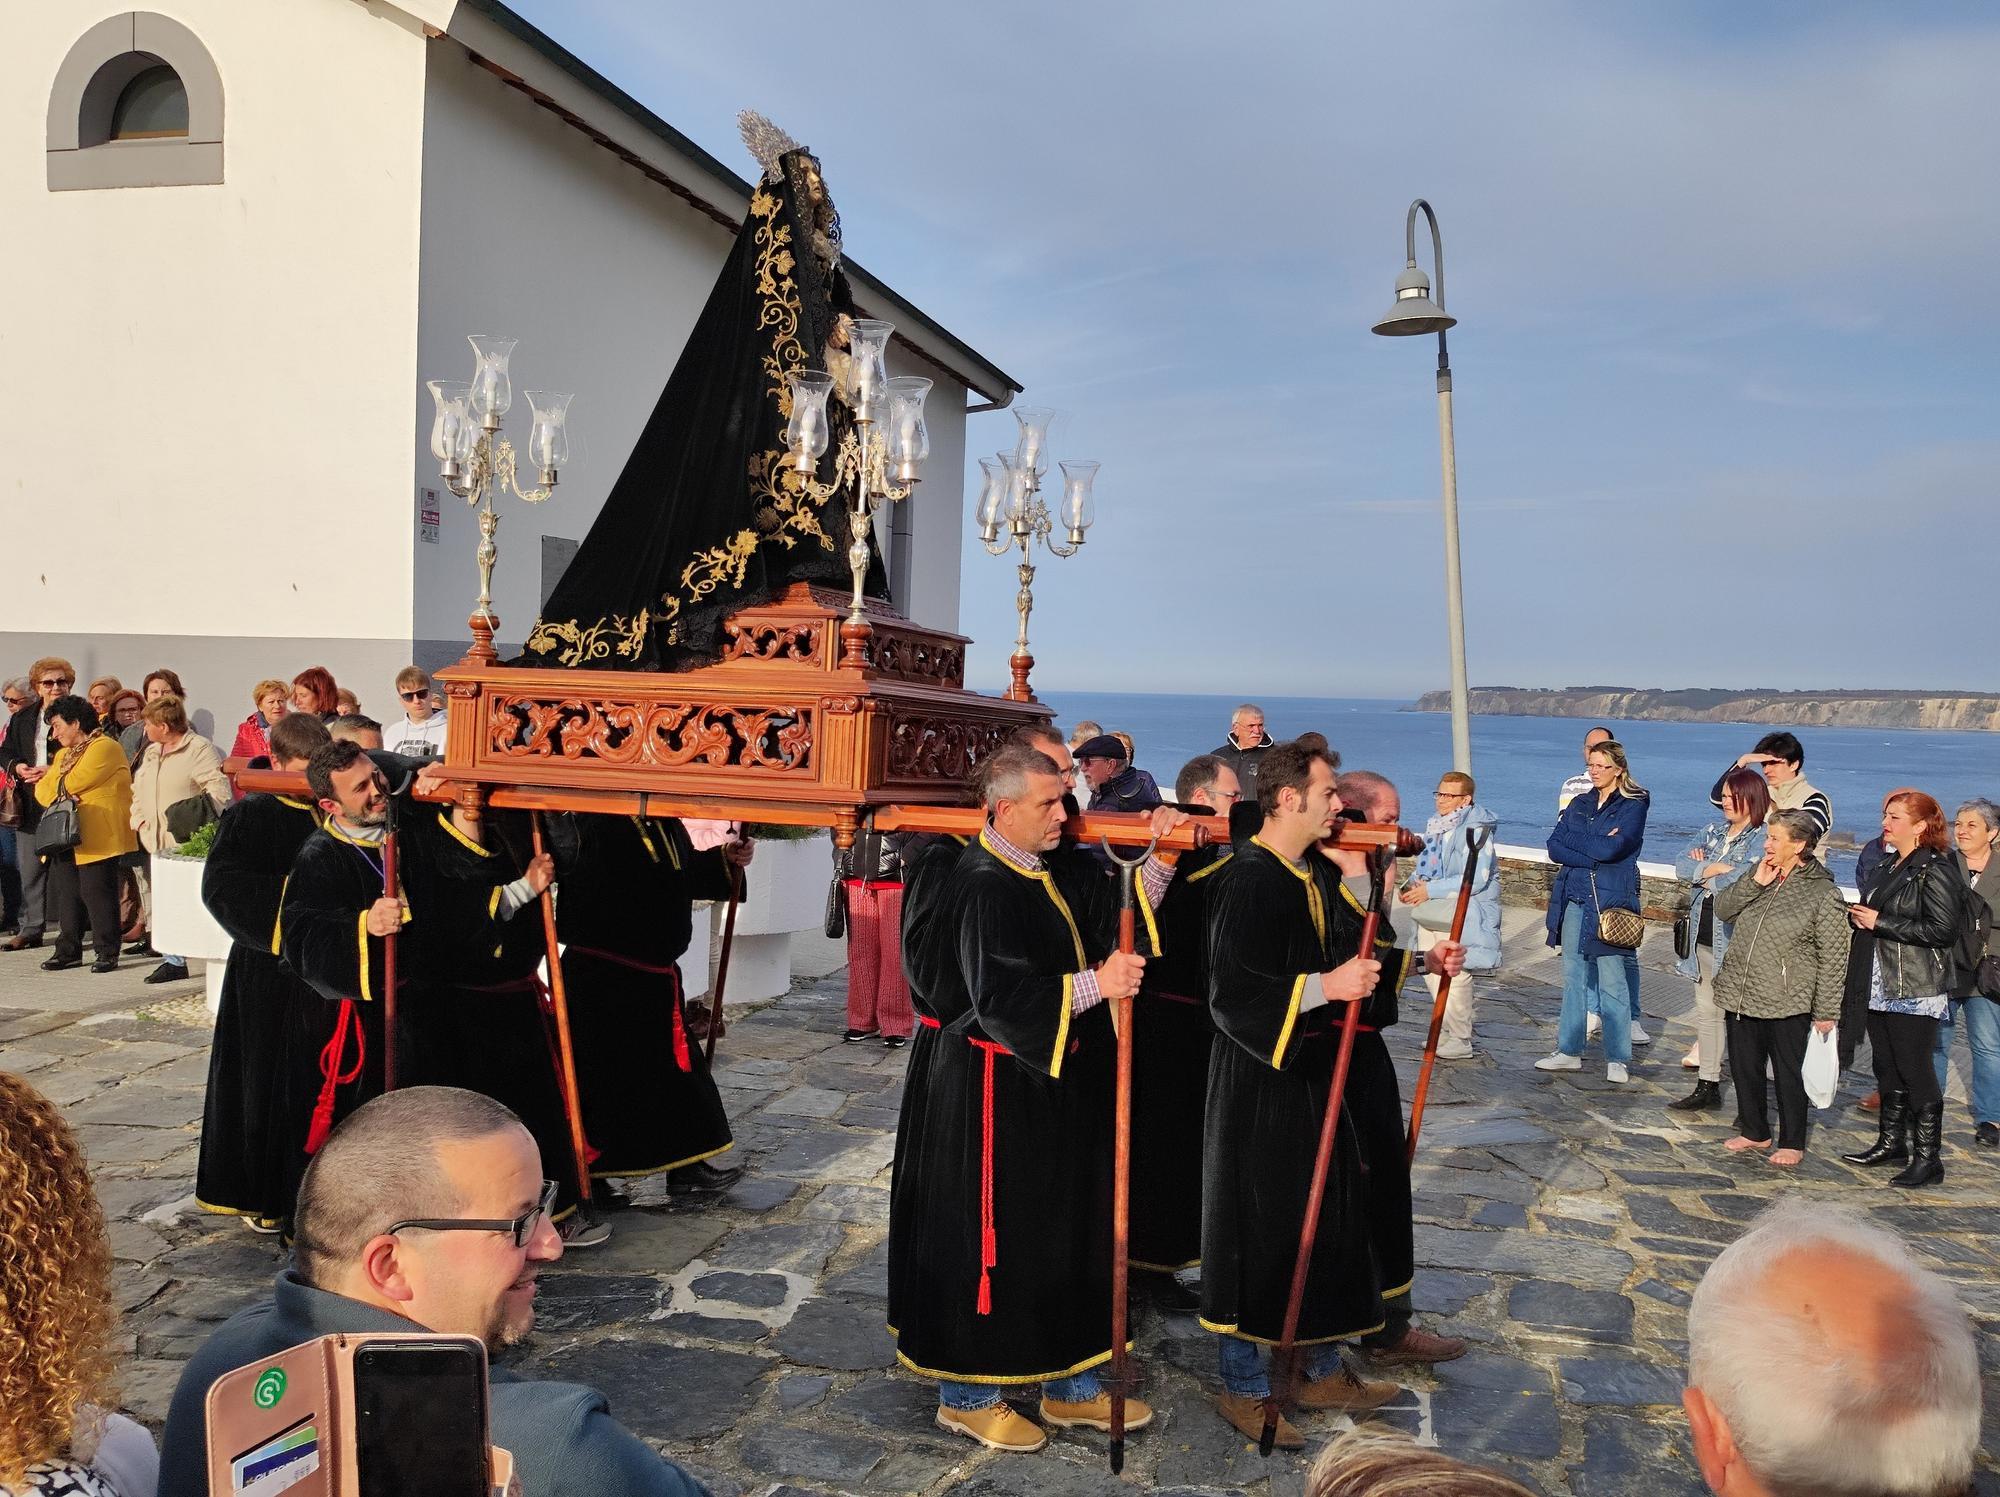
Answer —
(92, 768)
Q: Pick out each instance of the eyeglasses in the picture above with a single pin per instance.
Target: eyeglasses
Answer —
(521, 1228)
(1442, 794)
(1225, 794)
(414, 696)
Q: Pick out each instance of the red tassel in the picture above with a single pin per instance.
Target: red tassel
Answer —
(331, 1076)
(989, 1239)
(681, 1058)
(985, 1293)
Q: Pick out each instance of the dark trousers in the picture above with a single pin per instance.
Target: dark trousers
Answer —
(74, 889)
(1782, 1042)
(10, 880)
(1902, 1044)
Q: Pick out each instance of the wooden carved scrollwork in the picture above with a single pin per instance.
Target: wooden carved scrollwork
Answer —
(928, 748)
(911, 658)
(668, 734)
(748, 640)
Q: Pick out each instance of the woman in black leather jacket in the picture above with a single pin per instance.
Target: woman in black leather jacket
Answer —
(1912, 908)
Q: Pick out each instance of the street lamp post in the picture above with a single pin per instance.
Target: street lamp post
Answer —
(1415, 312)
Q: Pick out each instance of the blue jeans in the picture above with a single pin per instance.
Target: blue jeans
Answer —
(1982, 1033)
(1243, 1368)
(1631, 959)
(969, 1398)
(1612, 982)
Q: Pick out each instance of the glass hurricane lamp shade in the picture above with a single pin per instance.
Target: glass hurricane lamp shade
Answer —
(868, 375)
(1079, 509)
(1031, 451)
(1019, 489)
(992, 499)
(448, 422)
(1414, 312)
(492, 390)
(806, 433)
(909, 440)
(548, 442)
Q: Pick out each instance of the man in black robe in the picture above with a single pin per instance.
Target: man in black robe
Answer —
(1005, 1278)
(251, 1091)
(1171, 1040)
(626, 917)
(1376, 1101)
(1284, 961)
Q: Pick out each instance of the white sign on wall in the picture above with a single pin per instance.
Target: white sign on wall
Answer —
(428, 515)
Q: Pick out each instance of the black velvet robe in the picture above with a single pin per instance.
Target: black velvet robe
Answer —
(1044, 1309)
(1171, 1039)
(926, 940)
(649, 1103)
(1272, 926)
(253, 1096)
(1375, 1102)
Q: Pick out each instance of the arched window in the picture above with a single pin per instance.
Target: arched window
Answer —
(136, 103)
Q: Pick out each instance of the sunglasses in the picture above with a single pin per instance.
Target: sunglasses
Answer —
(54, 684)
(520, 1228)
(413, 696)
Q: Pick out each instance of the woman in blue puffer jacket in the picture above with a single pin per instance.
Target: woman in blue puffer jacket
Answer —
(1434, 888)
(1595, 847)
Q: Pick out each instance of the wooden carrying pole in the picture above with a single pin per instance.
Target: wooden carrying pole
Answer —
(565, 1049)
(1135, 829)
(1282, 1358)
(1124, 1011)
(1473, 844)
(391, 889)
(722, 964)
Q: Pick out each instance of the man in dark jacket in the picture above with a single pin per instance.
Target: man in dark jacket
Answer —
(1114, 784)
(1245, 750)
(26, 753)
(464, 1167)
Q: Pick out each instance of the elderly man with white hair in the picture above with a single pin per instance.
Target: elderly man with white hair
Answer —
(1824, 1362)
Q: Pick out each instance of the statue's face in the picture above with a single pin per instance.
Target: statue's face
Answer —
(815, 184)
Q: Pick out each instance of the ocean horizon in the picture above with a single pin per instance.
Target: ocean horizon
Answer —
(1519, 762)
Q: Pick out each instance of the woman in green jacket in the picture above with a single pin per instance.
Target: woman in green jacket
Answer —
(1782, 977)
(90, 768)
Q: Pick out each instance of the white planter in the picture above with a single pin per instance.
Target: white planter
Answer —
(182, 924)
(784, 891)
(694, 961)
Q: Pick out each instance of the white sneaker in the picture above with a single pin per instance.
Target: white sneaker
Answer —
(1455, 1050)
(1560, 1062)
(1639, 1035)
(1615, 1074)
(1592, 1026)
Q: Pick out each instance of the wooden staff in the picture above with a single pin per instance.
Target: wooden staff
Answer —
(565, 1049)
(390, 890)
(1283, 1358)
(1135, 829)
(1473, 843)
(722, 966)
(1121, 1161)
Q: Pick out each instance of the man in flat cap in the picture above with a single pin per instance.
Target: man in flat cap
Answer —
(1115, 785)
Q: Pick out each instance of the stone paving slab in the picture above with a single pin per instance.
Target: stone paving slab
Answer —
(1563, 1224)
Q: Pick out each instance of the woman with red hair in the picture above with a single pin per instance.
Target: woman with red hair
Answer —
(1910, 906)
(314, 691)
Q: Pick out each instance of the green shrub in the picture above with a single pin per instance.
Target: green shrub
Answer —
(198, 845)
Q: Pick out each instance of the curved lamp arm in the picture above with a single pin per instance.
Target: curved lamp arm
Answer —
(1437, 262)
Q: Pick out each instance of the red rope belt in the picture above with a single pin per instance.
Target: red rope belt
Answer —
(989, 1236)
(682, 1059)
(332, 1078)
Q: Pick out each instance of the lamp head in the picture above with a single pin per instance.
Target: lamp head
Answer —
(1414, 311)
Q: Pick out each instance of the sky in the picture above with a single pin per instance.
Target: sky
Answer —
(1725, 365)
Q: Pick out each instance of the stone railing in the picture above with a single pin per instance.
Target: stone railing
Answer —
(1527, 876)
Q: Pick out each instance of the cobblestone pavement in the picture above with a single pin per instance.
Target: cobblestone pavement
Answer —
(1561, 1225)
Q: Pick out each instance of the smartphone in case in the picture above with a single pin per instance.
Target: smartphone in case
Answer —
(420, 1421)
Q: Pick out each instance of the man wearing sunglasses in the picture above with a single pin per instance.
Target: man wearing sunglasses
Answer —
(25, 753)
(426, 1210)
(15, 696)
(420, 735)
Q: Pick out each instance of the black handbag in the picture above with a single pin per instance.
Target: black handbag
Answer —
(1988, 979)
(1683, 937)
(836, 897)
(60, 828)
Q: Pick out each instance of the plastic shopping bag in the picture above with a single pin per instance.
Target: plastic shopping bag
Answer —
(1822, 1067)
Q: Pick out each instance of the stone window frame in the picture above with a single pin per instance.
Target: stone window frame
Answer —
(81, 154)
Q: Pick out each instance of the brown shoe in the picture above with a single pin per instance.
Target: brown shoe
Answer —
(1341, 1389)
(1246, 1416)
(997, 1428)
(22, 943)
(1417, 1346)
(1095, 1413)
(1872, 1102)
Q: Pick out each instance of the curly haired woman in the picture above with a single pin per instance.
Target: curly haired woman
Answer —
(56, 1318)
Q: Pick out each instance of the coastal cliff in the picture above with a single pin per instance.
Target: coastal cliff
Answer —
(1937, 711)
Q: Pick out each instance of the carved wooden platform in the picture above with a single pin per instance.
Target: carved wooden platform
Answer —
(786, 728)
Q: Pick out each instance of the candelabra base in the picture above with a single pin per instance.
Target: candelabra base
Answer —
(482, 625)
(854, 637)
(1017, 690)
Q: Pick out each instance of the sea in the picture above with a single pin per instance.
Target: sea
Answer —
(1519, 762)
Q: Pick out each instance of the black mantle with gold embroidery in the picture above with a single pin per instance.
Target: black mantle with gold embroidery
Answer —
(705, 519)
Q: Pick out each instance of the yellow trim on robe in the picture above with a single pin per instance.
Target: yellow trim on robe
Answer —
(493, 904)
(660, 1169)
(1202, 873)
(1146, 908)
(361, 929)
(1230, 1330)
(1164, 1267)
(1403, 1288)
(299, 805)
(444, 820)
(1314, 904)
(278, 925)
(645, 837)
(1005, 1382)
(1062, 1025)
(1291, 1020)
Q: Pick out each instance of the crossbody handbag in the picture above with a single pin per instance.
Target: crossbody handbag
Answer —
(1624, 929)
(60, 828)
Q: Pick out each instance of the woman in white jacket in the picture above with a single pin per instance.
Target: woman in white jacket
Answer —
(179, 765)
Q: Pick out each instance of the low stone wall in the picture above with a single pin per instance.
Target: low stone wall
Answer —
(1527, 880)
